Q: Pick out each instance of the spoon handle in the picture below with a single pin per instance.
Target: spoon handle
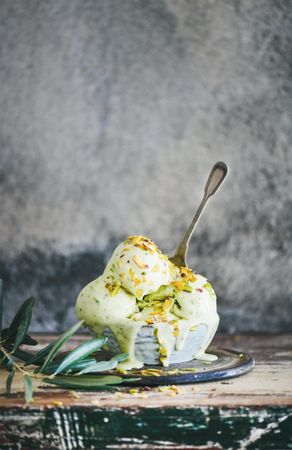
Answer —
(216, 178)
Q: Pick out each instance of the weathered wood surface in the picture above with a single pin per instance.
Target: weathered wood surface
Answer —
(268, 384)
(253, 411)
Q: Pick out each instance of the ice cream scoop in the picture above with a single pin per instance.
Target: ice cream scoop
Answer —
(99, 304)
(138, 266)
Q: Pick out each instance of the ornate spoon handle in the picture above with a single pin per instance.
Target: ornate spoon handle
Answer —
(216, 178)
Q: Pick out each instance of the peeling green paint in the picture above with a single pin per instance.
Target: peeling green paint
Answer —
(97, 428)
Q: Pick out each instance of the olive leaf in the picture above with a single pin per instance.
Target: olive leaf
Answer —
(8, 338)
(24, 323)
(79, 365)
(80, 352)
(9, 380)
(121, 357)
(60, 342)
(90, 364)
(102, 366)
(84, 381)
(75, 367)
(22, 354)
(39, 357)
(8, 362)
(28, 340)
(66, 371)
(18, 318)
(28, 389)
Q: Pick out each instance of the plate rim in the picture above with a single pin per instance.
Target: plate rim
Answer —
(195, 377)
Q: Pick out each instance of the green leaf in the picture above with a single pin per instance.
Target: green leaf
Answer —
(84, 382)
(79, 365)
(60, 342)
(9, 338)
(121, 357)
(8, 363)
(16, 321)
(4, 333)
(28, 388)
(28, 340)
(1, 305)
(9, 380)
(80, 352)
(39, 357)
(24, 323)
(100, 367)
(104, 365)
(75, 368)
(21, 354)
(5, 361)
(129, 380)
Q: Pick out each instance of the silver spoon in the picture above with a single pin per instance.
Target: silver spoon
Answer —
(216, 178)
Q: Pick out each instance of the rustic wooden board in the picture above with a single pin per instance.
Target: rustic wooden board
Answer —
(253, 411)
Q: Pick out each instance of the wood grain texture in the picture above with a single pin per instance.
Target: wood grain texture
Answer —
(253, 411)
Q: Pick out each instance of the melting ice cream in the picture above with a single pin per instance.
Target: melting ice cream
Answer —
(141, 287)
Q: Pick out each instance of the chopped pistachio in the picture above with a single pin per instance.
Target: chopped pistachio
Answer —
(139, 262)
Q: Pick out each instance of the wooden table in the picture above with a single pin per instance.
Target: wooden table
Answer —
(253, 411)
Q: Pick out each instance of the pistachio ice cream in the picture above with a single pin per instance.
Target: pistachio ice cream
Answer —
(147, 304)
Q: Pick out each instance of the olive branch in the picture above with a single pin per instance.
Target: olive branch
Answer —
(76, 369)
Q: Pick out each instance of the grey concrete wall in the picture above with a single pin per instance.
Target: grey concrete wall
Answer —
(112, 113)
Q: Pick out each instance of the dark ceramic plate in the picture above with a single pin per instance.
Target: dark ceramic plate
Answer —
(229, 364)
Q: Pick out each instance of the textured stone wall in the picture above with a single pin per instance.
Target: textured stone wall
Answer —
(112, 114)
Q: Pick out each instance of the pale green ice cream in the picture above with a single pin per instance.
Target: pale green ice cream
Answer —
(139, 266)
(141, 287)
(97, 304)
